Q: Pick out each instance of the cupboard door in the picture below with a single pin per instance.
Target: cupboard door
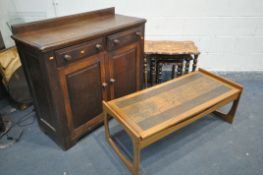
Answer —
(83, 85)
(124, 69)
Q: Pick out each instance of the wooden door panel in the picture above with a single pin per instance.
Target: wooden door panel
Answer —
(123, 66)
(124, 71)
(83, 92)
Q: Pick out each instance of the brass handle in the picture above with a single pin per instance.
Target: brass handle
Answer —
(98, 46)
(104, 85)
(112, 80)
(67, 57)
(116, 41)
(82, 51)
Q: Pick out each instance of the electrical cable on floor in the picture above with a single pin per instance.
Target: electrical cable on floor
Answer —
(22, 122)
(25, 118)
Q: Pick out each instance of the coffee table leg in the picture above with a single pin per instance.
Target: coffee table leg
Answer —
(136, 157)
(229, 117)
(134, 166)
(106, 125)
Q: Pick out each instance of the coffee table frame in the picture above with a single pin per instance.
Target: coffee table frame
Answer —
(140, 142)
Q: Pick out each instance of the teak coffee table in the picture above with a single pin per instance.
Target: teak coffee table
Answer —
(153, 113)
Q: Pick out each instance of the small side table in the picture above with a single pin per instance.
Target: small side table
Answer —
(178, 53)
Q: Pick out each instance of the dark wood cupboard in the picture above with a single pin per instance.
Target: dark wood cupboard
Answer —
(124, 70)
(83, 92)
(72, 63)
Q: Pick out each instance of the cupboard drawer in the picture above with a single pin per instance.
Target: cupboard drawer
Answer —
(120, 39)
(72, 53)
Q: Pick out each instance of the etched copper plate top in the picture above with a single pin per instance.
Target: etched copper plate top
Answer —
(170, 47)
(171, 102)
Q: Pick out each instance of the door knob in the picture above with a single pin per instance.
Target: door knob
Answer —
(98, 46)
(138, 33)
(67, 57)
(116, 41)
(104, 85)
(112, 80)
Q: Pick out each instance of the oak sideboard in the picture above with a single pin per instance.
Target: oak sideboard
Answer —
(74, 62)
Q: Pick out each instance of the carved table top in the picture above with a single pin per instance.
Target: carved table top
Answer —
(156, 108)
(170, 47)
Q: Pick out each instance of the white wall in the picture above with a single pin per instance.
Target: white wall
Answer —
(17, 11)
(229, 33)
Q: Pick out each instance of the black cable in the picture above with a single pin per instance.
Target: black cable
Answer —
(20, 121)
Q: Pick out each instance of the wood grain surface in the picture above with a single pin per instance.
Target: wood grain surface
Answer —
(77, 27)
(174, 101)
(170, 47)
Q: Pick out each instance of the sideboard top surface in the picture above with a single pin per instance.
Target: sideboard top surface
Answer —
(54, 33)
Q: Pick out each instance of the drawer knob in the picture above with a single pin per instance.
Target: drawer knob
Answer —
(112, 80)
(138, 33)
(67, 57)
(104, 84)
(82, 51)
(116, 41)
(98, 46)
